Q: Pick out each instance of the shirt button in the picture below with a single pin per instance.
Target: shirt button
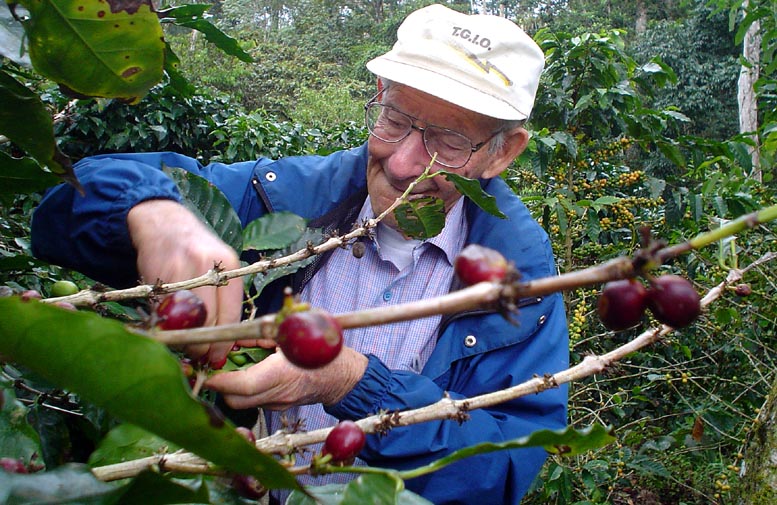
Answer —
(270, 176)
(387, 296)
(470, 341)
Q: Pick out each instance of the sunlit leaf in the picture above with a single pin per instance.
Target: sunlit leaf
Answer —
(273, 231)
(133, 377)
(191, 16)
(111, 49)
(310, 236)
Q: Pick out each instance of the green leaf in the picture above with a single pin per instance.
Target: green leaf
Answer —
(567, 442)
(126, 442)
(471, 189)
(191, 16)
(22, 176)
(150, 488)
(70, 483)
(368, 488)
(111, 49)
(421, 218)
(18, 439)
(26, 122)
(209, 204)
(273, 231)
(131, 376)
(310, 236)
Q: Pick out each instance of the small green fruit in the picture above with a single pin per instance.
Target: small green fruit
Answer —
(64, 288)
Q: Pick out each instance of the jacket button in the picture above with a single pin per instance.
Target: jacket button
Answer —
(470, 341)
(542, 320)
(270, 176)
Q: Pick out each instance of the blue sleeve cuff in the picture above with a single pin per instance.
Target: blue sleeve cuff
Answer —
(364, 399)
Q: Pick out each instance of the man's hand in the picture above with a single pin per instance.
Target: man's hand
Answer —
(174, 245)
(276, 384)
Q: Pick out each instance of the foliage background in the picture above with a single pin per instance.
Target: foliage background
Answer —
(617, 144)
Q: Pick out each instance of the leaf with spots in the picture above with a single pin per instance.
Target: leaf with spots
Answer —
(97, 48)
(421, 218)
(133, 377)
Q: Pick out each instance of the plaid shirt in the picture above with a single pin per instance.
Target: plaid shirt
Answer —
(346, 283)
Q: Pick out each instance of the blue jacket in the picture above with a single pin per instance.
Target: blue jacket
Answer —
(476, 353)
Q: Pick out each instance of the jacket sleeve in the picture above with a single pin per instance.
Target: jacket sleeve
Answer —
(499, 477)
(88, 233)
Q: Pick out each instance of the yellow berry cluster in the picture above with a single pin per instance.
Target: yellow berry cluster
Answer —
(577, 319)
(629, 178)
(722, 485)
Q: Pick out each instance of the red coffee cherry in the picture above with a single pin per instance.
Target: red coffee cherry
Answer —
(743, 290)
(622, 304)
(673, 301)
(310, 339)
(476, 263)
(181, 310)
(248, 487)
(344, 442)
(12, 465)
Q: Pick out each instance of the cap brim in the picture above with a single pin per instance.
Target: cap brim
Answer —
(443, 87)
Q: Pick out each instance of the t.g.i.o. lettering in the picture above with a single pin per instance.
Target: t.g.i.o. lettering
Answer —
(474, 38)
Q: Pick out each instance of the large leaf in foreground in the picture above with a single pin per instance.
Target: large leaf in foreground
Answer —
(131, 376)
(111, 49)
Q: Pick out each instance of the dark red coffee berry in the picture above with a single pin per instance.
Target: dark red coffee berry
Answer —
(476, 263)
(673, 301)
(743, 290)
(310, 339)
(12, 465)
(181, 310)
(622, 304)
(344, 442)
(248, 487)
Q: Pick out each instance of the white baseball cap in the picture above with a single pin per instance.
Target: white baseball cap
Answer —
(482, 63)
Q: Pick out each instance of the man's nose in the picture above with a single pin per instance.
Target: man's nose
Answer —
(410, 158)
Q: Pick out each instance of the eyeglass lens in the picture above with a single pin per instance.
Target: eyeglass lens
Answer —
(390, 125)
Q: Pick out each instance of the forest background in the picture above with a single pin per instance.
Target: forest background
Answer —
(641, 120)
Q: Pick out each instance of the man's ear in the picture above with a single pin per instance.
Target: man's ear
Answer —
(515, 142)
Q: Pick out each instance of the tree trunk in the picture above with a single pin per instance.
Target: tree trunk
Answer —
(641, 23)
(748, 107)
(759, 469)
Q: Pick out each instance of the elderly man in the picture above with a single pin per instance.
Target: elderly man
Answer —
(457, 87)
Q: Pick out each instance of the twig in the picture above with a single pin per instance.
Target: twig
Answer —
(446, 408)
(218, 277)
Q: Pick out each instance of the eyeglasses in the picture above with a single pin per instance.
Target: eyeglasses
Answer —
(448, 148)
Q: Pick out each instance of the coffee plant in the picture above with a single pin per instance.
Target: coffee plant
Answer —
(684, 408)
